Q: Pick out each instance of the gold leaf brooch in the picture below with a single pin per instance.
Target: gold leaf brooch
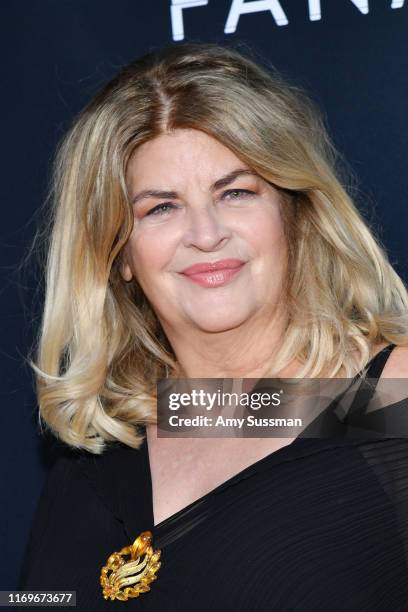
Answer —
(118, 573)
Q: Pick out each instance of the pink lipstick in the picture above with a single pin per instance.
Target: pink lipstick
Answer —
(214, 274)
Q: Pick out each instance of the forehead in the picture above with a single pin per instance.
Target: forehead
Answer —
(184, 154)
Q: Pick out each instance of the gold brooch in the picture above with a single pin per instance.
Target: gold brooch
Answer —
(118, 573)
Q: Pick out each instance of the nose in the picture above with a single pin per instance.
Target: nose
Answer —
(204, 228)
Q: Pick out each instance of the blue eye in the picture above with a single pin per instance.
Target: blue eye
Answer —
(241, 193)
(160, 209)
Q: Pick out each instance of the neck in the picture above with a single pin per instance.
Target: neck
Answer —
(243, 352)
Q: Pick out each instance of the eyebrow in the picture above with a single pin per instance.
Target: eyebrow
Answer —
(223, 181)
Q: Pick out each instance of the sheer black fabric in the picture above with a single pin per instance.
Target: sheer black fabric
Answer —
(320, 524)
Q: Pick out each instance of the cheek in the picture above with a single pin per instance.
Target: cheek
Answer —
(148, 254)
(265, 232)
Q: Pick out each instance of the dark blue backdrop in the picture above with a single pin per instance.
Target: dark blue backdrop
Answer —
(351, 55)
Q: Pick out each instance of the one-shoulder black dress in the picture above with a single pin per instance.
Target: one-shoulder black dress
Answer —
(318, 526)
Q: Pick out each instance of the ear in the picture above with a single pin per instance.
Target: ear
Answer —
(125, 269)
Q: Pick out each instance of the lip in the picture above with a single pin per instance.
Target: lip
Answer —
(208, 266)
(214, 274)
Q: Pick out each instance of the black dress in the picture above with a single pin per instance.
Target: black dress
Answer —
(319, 525)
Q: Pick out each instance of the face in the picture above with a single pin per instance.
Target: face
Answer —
(197, 204)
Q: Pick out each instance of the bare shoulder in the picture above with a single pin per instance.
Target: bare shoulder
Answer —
(397, 363)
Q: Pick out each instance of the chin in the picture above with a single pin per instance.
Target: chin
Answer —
(213, 322)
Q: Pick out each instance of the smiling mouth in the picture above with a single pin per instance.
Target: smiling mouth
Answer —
(214, 278)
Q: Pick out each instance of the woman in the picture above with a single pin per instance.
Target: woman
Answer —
(201, 229)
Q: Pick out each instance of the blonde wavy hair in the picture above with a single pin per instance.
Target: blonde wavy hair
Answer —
(101, 348)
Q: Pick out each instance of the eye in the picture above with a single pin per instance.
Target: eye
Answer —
(160, 209)
(236, 194)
